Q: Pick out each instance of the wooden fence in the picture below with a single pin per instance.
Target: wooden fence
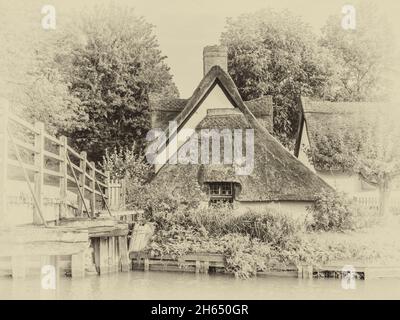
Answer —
(371, 202)
(33, 157)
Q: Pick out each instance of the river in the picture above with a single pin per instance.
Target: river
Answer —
(164, 285)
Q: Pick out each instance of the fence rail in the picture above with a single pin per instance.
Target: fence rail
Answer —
(371, 202)
(28, 149)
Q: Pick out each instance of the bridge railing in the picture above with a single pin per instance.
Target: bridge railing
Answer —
(51, 171)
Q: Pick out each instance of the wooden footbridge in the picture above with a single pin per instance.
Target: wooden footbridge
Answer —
(56, 207)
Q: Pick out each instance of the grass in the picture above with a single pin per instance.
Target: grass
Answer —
(379, 245)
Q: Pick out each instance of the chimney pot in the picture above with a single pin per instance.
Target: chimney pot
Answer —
(215, 56)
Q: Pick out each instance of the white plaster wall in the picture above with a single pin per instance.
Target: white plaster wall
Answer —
(216, 99)
(349, 183)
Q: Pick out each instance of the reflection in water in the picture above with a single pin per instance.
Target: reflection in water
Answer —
(163, 285)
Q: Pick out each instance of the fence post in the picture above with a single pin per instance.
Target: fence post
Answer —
(82, 181)
(4, 106)
(108, 190)
(64, 179)
(39, 163)
(123, 197)
(93, 199)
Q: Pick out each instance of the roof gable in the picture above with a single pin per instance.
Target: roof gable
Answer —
(321, 119)
(215, 77)
(277, 175)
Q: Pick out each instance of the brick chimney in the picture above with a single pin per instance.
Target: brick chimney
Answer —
(215, 56)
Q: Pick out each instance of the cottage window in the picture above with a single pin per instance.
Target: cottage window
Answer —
(221, 192)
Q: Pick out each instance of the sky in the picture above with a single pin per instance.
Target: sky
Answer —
(184, 27)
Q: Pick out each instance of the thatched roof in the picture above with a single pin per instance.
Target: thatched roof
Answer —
(165, 110)
(170, 104)
(325, 118)
(277, 174)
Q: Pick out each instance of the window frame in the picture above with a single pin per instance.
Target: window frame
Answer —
(225, 192)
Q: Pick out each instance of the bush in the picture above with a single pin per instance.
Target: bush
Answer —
(126, 162)
(250, 242)
(331, 211)
(274, 228)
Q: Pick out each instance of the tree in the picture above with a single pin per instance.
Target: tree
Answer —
(363, 56)
(275, 53)
(112, 61)
(379, 157)
(29, 78)
(369, 147)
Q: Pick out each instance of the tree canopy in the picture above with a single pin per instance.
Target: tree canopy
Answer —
(275, 53)
(90, 79)
(114, 65)
(363, 56)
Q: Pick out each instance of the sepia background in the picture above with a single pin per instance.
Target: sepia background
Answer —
(43, 76)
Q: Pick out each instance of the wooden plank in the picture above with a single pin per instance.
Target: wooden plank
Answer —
(205, 257)
(39, 163)
(103, 256)
(93, 196)
(123, 252)
(53, 139)
(74, 153)
(170, 268)
(76, 168)
(307, 271)
(27, 166)
(26, 146)
(82, 181)
(52, 155)
(52, 173)
(146, 264)
(205, 266)
(64, 180)
(101, 173)
(107, 190)
(279, 273)
(32, 234)
(23, 123)
(96, 250)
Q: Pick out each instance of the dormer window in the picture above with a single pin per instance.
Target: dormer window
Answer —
(221, 192)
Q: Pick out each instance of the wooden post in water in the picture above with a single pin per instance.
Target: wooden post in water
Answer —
(82, 181)
(123, 252)
(146, 264)
(103, 255)
(39, 175)
(64, 178)
(4, 159)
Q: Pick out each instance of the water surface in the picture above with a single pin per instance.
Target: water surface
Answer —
(171, 285)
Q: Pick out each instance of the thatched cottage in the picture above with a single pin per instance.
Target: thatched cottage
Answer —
(329, 136)
(276, 176)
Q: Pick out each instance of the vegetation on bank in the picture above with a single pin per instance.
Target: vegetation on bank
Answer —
(251, 242)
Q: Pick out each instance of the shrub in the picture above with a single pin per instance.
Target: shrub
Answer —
(250, 242)
(272, 227)
(126, 162)
(331, 211)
